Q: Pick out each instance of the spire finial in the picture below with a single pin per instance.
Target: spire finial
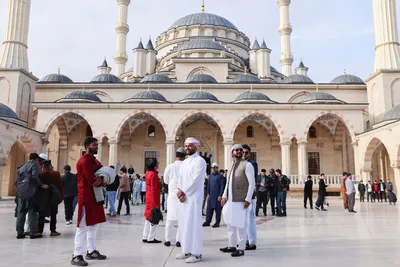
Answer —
(345, 73)
(203, 8)
(59, 70)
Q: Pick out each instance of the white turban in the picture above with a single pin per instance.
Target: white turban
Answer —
(192, 140)
(237, 146)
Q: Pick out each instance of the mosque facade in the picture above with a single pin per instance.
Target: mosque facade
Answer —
(204, 78)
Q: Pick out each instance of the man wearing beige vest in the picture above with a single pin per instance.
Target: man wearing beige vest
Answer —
(236, 200)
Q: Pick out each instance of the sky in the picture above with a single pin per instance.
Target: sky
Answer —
(76, 35)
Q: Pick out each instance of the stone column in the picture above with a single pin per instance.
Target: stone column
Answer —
(62, 158)
(366, 175)
(170, 152)
(285, 150)
(357, 167)
(396, 181)
(100, 151)
(228, 155)
(113, 154)
(1, 177)
(302, 159)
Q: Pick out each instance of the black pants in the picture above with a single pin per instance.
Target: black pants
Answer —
(163, 201)
(376, 196)
(53, 220)
(69, 208)
(309, 197)
(382, 195)
(273, 200)
(262, 198)
(362, 196)
(124, 196)
(143, 197)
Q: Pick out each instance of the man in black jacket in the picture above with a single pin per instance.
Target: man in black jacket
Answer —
(361, 189)
(112, 195)
(382, 189)
(131, 171)
(283, 187)
(70, 184)
(272, 185)
(262, 192)
(308, 191)
(321, 193)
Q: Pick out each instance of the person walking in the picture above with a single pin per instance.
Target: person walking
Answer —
(236, 202)
(70, 184)
(308, 192)
(152, 201)
(382, 191)
(215, 189)
(125, 190)
(343, 190)
(137, 186)
(112, 195)
(321, 193)
(143, 190)
(351, 192)
(389, 189)
(283, 187)
(190, 194)
(262, 192)
(361, 190)
(171, 177)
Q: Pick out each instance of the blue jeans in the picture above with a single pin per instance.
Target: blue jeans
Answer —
(281, 205)
(111, 198)
(251, 227)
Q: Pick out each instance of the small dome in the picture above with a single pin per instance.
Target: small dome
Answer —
(201, 78)
(253, 97)
(156, 78)
(298, 78)
(392, 114)
(274, 70)
(199, 96)
(6, 112)
(347, 79)
(203, 19)
(80, 96)
(147, 96)
(246, 78)
(106, 78)
(56, 78)
(201, 44)
(321, 98)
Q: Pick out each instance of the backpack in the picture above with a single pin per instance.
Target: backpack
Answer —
(26, 186)
(156, 216)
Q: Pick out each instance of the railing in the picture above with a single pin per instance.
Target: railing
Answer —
(331, 179)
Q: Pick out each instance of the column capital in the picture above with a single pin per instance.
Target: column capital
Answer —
(285, 143)
(366, 170)
(228, 143)
(170, 142)
(302, 143)
(112, 142)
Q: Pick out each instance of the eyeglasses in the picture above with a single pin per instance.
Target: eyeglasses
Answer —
(239, 150)
(246, 152)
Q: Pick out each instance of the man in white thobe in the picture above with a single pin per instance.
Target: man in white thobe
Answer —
(171, 175)
(236, 200)
(190, 194)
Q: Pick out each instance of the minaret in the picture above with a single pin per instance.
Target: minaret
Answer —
(301, 69)
(14, 49)
(263, 61)
(122, 30)
(139, 60)
(151, 58)
(387, 52)
(285, 29)
(104, 68)
(253, 57)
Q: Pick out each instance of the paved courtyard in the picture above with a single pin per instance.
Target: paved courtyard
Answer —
(304, 238)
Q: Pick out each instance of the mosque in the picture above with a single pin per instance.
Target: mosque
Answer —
(204, 78)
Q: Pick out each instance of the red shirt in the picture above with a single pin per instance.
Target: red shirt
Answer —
(86, 167)
(152, 192)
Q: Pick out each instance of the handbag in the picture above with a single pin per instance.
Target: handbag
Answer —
(156, 216)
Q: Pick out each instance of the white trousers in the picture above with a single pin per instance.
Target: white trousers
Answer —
(136, 197)
(85, 232)
(169, 230)
(237, 236)
(166, 201)
(149, 231)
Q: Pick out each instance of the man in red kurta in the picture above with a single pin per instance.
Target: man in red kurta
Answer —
(89, 212)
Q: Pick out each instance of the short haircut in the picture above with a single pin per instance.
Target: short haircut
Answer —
(348, 174)
(47, 163)
(322, 174)
(112, 167)
(222, 171)
(88, 141)
(263, 170)
(33, 156)
(123, 169)
(278, 171)
(151, 164)
(246, 147)
(344, 173)
(309, 177)
(180, 155)
(67, 168)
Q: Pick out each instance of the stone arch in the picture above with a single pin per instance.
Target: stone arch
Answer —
(298, 95)
(192, 113)
(395, 92)
(25, 102)
(102, 95)
(5, 87)
(373, 144)
(202, 70)
(255, 112)
(339, 116)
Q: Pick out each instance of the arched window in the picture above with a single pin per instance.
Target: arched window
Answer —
(151, 131)
(312, 132)
(89, 131)
(250, 131)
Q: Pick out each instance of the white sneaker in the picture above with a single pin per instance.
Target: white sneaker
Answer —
(194, 258)
(182, 256)
(68, 223)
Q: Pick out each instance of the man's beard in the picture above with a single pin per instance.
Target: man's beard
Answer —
(237, 156)
(93, 151)
(190, 152)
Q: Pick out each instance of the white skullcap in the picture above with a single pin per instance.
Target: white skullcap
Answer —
(236, 146)
(214, 165)
(43, 156)
(192, 140)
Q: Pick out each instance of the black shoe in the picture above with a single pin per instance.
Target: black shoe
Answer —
(273, 214)
(317, 207)
(227, 249)
(46, 220)
(252, 247)
(324, 210)
(155, 241)
(165, 211)
(78, 261)
(353, 211)
(215, 225)
(178, 244)
(144, 240)
(265, 214)
(256, 214)
(21, 236)
(284, 214)
(311, 207)
(167, 243)
(305, 207)
(206, 224)
(238, 253)
(95, 255)
(204, 214)
(36, 236)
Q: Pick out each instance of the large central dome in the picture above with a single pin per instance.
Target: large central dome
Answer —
(203, 19)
